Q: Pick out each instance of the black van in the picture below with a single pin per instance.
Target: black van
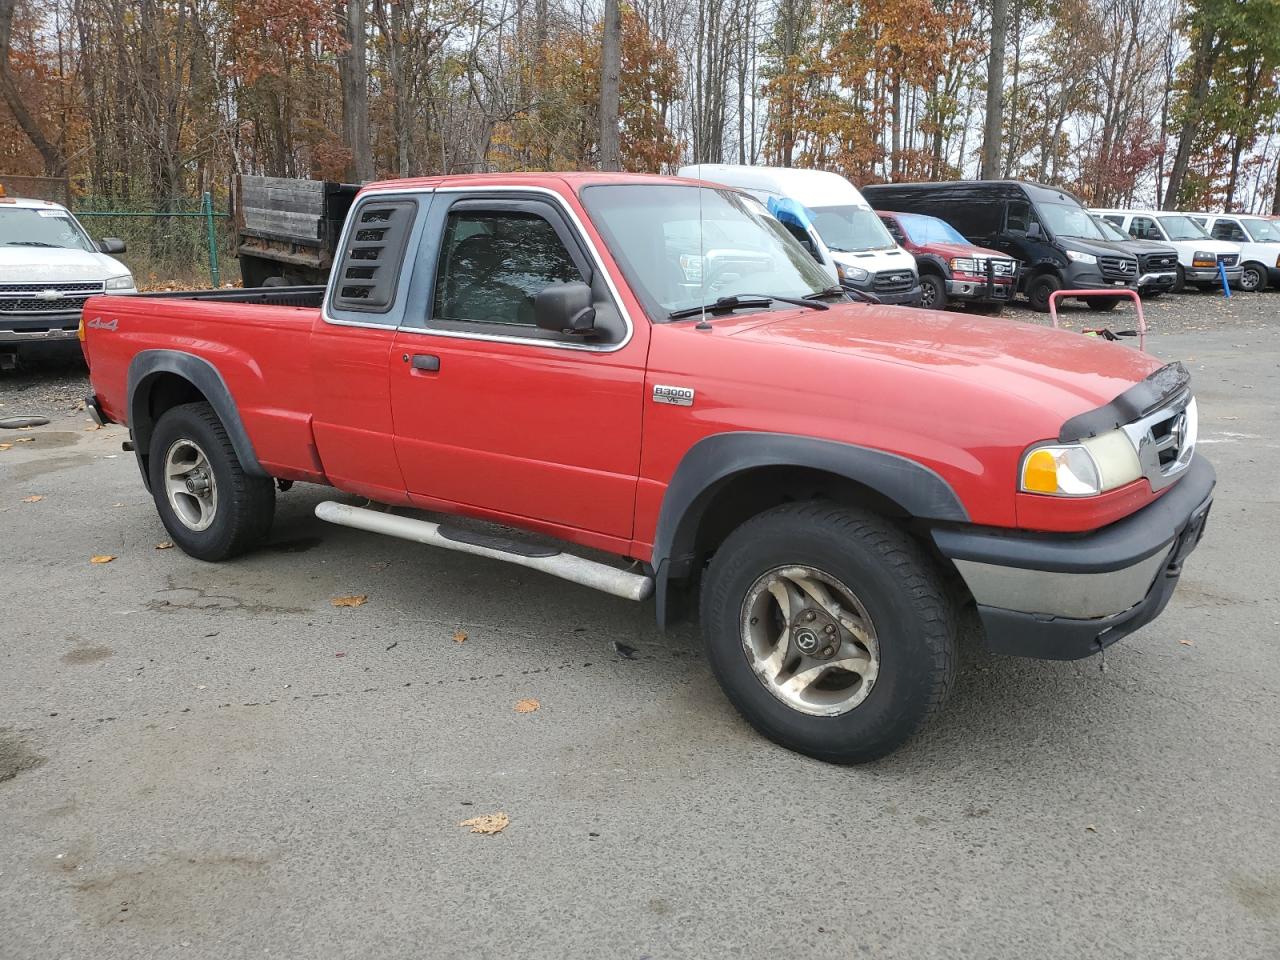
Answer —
(1047, 229)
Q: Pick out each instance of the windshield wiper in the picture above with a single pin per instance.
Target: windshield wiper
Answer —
(740, 301)
(29, 243)
(829, 292)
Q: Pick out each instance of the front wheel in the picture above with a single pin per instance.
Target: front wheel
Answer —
(933, 292)
(1040, 289)
(1253, 277)
(829, 629)
(210, 506)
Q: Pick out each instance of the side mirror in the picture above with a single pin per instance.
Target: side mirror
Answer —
(111, 245)
(565, 308)
(1034, 232)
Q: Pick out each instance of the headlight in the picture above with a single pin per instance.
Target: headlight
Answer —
(120, 283)
(1079, 257)
(964, 265)
(1082, 469)
(1202, 259)
(851, 273)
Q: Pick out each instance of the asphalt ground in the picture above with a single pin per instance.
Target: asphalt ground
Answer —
(214, 761)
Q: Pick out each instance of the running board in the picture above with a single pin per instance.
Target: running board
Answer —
(589, 573)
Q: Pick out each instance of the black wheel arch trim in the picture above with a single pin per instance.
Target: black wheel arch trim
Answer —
(714, 460)
(202, 375)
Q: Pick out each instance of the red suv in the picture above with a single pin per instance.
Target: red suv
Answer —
(952, 270)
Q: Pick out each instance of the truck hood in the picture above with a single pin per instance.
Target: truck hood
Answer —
(1064, 372)
(949, 250)
(50, 265)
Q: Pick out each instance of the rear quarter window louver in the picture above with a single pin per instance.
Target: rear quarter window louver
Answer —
(370, 266)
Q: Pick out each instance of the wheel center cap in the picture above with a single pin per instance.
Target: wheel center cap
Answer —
(815, 634)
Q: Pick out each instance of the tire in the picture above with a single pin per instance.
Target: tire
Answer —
(211, 508)
(1180, 283)
(884, 575)
(933, 292)
(1039, 290)
(1253, 277)
(1101, 304)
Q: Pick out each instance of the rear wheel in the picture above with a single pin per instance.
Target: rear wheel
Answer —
(1040, 289)
(933, 292)
(210, 506)
(829, 629)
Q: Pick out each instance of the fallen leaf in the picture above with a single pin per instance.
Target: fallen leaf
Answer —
(489, 823)
(1187, 643)
(5, 446)
(94, 426)
(102, 558)
(24, 439)
(340, 654)
(1091, 828)
(34, 498)
(528, 705)
(460, 637)
(164, 545)
(359, 600)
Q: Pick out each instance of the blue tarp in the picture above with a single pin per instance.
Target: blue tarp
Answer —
(789, 211)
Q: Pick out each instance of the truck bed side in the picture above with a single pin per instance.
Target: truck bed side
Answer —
(256, 341)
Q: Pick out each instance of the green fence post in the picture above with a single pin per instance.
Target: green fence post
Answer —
(206, 205)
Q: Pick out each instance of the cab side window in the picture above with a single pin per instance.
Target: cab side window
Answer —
(1228, 230)
(1144, 228)
(895, 231)
(492, 265)
(1019, 216)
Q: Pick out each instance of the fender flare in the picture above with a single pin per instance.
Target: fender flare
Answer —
(714, 460)
(934, 262)
(201, 374)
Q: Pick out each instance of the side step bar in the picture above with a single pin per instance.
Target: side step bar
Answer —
(589, 573)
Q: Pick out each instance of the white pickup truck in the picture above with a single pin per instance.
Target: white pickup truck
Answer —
(49, 266)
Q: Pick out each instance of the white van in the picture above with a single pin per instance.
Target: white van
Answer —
(1259, 242)
(49, 266)
(827, 214)
(1198, 254)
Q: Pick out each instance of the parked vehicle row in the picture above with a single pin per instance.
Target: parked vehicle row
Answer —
(1199, 255)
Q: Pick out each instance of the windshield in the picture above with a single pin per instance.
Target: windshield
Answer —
(851, 229)
(1182, 228)
(683, 246)
(1065, 220)
(921, 229)
(25, 227)
(1263, 231)
(1110, 231)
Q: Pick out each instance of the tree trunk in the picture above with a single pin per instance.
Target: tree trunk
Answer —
(610, 71)
(55, 163)
(1206, 54)
(355, 94)
(995, 91)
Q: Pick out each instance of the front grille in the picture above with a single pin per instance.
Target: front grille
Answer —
(893, 281)
(14, 289)
(1165, 440)
(28, 305)
(1159, 261)
(999, 268)
(1228, 259)
(1118, 268)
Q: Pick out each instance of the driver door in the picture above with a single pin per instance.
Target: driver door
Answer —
(495, 415)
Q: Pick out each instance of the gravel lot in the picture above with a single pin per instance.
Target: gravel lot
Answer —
(213, 761)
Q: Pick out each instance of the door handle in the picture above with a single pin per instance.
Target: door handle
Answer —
(427, 362)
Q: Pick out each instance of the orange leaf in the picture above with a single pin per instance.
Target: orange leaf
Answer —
(460, 637)
(164, 545)
(359, 600)
(102, 558)
(528, 705)
(490, 823)
(34, 498)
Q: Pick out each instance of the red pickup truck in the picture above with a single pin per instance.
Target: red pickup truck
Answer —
(832, 484)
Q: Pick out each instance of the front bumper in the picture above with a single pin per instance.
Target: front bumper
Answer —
(21, 329)
(1067, 596)
(979, 290)
(1161, 280)
(1205, 274)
